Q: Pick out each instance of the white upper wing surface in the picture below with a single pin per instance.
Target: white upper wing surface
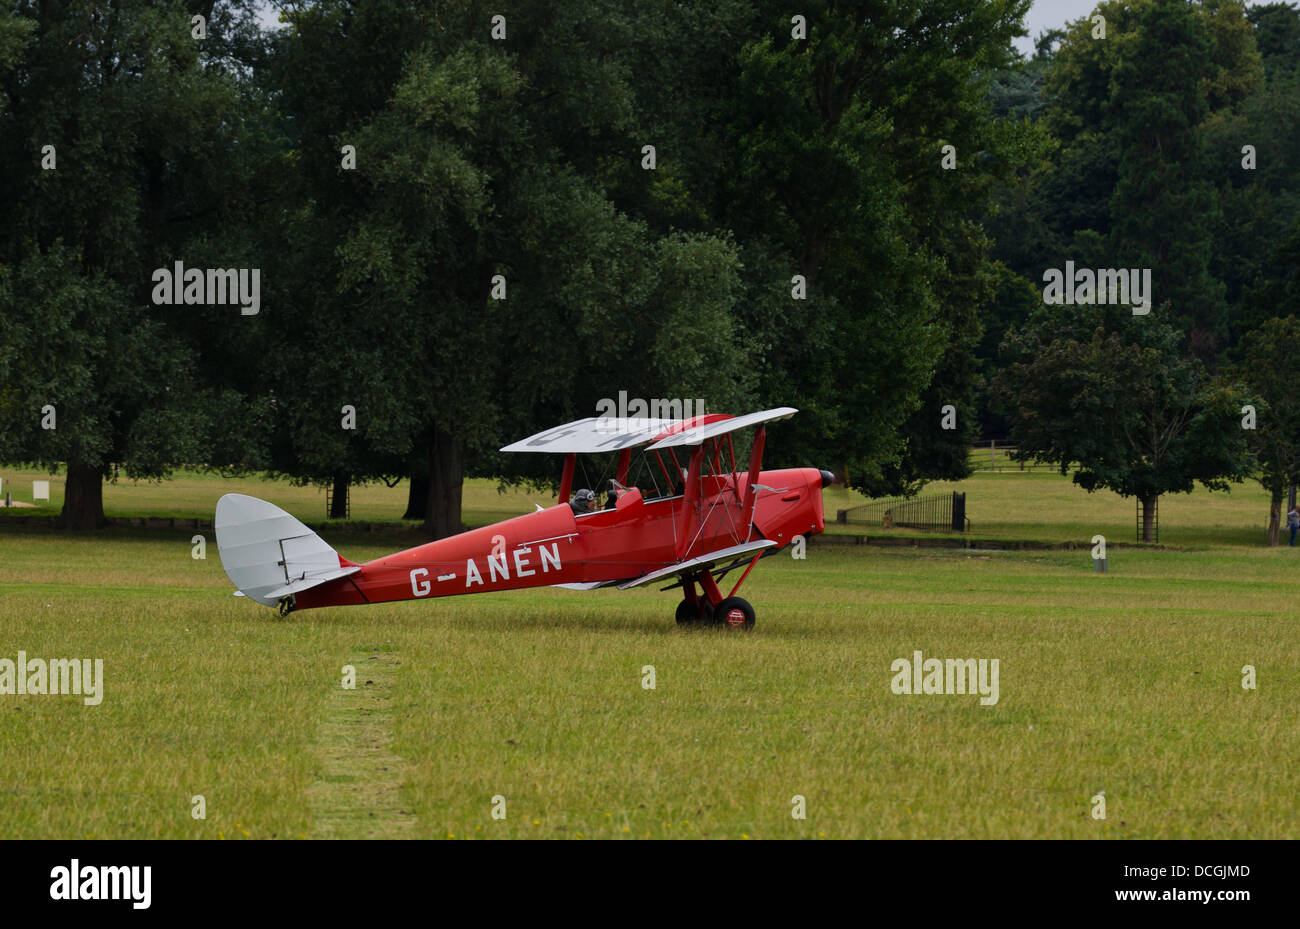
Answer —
(594, 434)
(612, 434)
(697, 434)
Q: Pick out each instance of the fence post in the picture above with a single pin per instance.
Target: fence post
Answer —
(993, 461)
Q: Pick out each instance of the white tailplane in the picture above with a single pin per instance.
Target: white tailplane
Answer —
(269, 554)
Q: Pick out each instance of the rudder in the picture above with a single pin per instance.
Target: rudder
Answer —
(268, 554)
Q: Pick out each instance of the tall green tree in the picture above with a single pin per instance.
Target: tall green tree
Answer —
(1255, 150)
(1132, 413)
(822, 151)
(470, 277)
(1139, 165)
(120, 153)
(1277, 36)
(1268, 367)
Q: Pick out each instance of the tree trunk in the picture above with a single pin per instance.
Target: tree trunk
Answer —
(83, 498)
(339, 497)
(446, 476)
(417, 499)
(1291, 499)
(1274, 515)
(1148, 517)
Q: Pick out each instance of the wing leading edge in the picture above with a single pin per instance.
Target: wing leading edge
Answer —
(706, 560)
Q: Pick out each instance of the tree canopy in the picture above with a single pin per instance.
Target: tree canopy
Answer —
(468, 224)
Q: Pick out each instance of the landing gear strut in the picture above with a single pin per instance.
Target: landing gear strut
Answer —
(694, 609)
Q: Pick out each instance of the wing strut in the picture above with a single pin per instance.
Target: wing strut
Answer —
(755, 466)
(566, 480)
(692, 501)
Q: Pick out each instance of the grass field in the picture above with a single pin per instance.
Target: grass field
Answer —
(1127, 683)
(1034, 505)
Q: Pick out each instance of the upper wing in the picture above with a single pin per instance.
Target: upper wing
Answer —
(698, 433)
(594, 434)
(612, 433)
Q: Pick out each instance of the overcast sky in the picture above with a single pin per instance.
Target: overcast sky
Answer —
(1051, 14)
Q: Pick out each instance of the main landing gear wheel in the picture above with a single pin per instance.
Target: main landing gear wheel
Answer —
(691, 614)
(734, 613)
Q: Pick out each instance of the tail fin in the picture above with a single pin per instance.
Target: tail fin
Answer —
(270, 555)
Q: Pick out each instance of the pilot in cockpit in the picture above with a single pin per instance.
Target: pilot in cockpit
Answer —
(584, 501)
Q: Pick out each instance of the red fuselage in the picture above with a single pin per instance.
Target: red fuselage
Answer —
(553, 546)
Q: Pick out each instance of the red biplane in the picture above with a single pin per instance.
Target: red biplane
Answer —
(705, 520)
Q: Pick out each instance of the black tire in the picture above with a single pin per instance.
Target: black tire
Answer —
(734, 613)
(692, 615)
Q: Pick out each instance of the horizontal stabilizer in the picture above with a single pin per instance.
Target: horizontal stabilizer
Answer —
(304, 583)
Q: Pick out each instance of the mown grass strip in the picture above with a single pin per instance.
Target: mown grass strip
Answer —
(358, 791)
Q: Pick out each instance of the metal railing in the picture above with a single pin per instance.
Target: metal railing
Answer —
(997, 456)
(935, 511)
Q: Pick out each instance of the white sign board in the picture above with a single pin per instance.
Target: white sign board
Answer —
(40, 490)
